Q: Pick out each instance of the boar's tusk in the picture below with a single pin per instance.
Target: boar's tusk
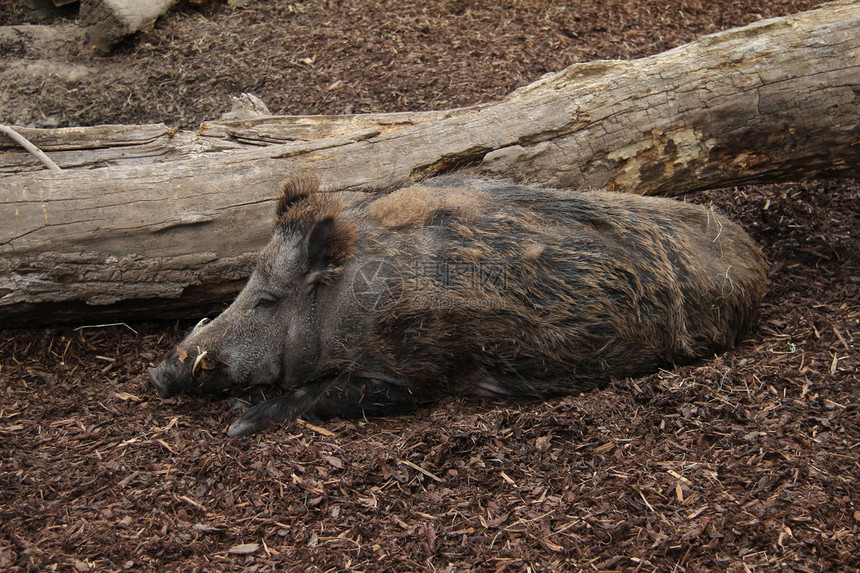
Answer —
(201, 364)
(200, 358)
(203, 322)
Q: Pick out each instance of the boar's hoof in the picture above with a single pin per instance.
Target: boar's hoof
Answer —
(251, 422)
(263, 415)
(244, 427)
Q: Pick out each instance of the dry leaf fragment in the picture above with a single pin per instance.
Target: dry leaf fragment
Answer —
(203, 528)
(244, 549)
(191, 502)
(416, 467)
(604, 448)
(542, 443)
(316, 429)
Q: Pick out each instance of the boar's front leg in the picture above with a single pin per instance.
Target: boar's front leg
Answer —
(345, 396)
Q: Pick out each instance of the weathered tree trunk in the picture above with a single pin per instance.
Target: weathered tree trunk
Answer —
(147, 222)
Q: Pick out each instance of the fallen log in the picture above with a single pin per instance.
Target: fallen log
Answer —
(147, 222)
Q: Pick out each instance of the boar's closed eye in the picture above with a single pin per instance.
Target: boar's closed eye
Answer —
(266, 300)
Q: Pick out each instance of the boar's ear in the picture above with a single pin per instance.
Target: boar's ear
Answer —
(296, 189)
(328, 245)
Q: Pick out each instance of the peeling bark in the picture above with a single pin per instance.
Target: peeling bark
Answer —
(142, 219)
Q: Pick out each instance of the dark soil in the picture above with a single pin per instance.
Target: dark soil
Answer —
(746, 462)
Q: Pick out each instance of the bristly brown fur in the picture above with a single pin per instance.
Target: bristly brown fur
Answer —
(295, 189)
(415, 206)
(340, 245)
(303, 204)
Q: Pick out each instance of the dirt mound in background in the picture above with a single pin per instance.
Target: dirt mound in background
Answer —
(747, 462)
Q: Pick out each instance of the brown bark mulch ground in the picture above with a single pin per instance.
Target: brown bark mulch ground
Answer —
(749, 461)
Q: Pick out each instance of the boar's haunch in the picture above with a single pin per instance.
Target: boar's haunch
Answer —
(469, 287)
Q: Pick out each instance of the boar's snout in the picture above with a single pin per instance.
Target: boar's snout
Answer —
(184, 373)
(165, 377)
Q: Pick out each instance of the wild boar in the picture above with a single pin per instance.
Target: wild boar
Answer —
(459, 286)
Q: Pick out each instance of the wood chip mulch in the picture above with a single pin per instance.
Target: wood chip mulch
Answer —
(749, 461)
